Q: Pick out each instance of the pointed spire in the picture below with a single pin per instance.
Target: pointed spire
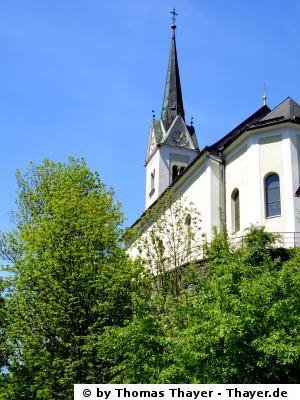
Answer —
(172, 103)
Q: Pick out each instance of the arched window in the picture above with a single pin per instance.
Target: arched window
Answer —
(152, 181)
(272, 195)
(235, 210)
(174, 172)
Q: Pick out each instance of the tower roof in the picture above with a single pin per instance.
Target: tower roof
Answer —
(288, 109)
(172, 103)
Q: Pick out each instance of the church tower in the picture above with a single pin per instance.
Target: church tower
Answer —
(172, 144)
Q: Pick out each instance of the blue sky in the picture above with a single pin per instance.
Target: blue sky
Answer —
(81, 77)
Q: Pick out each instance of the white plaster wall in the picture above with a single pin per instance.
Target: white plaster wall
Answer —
(160, 161)
(154, 163)
(252, 196)
(271, 149)
(237, 177)
(295, 160)
(215, 194)
(276, 157)
(196, 189)
(202, 188)
(248, 163)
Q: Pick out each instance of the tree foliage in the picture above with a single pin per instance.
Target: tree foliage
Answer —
(240, 322)
(75, 309)
(236, 323)
(70, 278)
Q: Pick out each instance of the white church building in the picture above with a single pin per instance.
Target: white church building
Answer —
(252, 174)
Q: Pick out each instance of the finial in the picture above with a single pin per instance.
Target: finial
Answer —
(264, 97)
(192, 121)
(153, 114)
(174, 14)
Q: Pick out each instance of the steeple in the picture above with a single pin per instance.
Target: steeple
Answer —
(172, 103)
(172, 144)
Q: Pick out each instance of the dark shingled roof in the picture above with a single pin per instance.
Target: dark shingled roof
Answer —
(158, 134)
(288, 109)
(172, 103)
(238, 130)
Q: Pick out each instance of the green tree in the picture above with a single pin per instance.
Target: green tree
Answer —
(168, 238)
(239, 323)
(70, 279)
(236, 322)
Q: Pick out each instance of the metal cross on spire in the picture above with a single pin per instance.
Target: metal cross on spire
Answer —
(174, 15)
(264, 97)
(172, 102)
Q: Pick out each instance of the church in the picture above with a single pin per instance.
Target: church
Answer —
(250, 176)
